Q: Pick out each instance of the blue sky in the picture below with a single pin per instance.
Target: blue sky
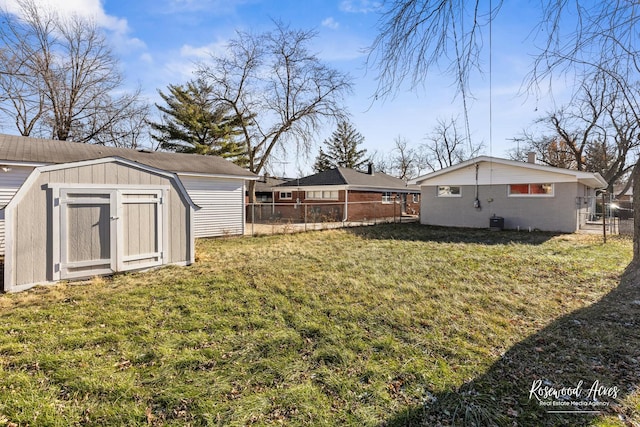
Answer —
(159, 41)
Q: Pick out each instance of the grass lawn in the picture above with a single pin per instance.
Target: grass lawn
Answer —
(386, 325)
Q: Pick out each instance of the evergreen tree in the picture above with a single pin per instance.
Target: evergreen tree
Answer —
(192, 123)
(342, 150)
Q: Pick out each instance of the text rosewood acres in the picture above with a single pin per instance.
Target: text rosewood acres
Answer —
(543, 393)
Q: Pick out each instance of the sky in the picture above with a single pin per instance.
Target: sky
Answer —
(159, 42)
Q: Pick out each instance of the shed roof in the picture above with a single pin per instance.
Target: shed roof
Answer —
(351, 178)
(22, 149)
(594, 180)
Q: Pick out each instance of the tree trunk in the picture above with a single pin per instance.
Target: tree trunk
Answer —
(635, 176)
(251, 191)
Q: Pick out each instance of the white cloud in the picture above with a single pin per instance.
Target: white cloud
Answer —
(221, 7)
(360, 6)
(330, 23)
(205, 51)
(179, 71)
(182, 66)
(147, 58)
(88, 9)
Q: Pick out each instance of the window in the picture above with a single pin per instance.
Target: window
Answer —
(387, 197)
(333, 195)
(535, 190)
(285, 195)
(449, 191)
(416, 198)
(322, 195)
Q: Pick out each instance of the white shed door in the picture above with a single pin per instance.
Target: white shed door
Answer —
(87, 237)
(104, 231)
(140, 217)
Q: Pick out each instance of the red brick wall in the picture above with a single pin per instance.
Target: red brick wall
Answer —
(363, 205)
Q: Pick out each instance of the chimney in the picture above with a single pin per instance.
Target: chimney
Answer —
(531, 157)
(370, 169)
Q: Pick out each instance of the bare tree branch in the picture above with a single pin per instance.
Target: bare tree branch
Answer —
(280, 89)
(60, 78)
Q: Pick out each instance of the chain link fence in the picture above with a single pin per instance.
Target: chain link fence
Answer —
(618, 216)
(275, 218)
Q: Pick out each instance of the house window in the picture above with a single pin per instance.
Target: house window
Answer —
(449, 191)
(534, 190)
(313, 195)
(322, 195)
(285, 195)
(387, 197)
(416, 198)
(331, 195)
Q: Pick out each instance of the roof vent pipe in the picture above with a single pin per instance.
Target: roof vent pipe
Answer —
(370, 169)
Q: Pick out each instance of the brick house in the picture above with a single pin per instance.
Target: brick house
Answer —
(343, 194)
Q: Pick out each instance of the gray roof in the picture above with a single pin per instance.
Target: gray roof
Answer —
(352, 178)
(265, 184)
(32, 150)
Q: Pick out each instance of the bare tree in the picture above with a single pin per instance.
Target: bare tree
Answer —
(576, 39)
(447, 146)
(130, 130)
(403, 159)
(597, 132)
(417, 35)
(381, 162)
(60, 77)
(281, 91)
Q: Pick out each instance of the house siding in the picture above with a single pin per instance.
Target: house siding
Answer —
(557, 213)
(10, 182)
(32, 223)
(221, 203)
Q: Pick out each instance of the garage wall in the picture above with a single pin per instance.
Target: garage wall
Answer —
(221, 203)
(10, 182)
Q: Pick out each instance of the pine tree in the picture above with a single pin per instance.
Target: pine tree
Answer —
(342, 150)
(192, 123)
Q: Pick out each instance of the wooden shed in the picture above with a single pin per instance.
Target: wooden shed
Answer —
(95, 217)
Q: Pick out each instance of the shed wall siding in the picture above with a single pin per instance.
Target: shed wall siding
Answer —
(558, 213)
(221, 203)
(33, 223)
(179, 221)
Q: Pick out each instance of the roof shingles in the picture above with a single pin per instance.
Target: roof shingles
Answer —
(32, 150)
(350, 177)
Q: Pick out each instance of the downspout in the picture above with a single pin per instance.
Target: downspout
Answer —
(346, 205)
(476, 202)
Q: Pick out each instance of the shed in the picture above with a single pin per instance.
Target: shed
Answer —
(522, 195)
(88, 218)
